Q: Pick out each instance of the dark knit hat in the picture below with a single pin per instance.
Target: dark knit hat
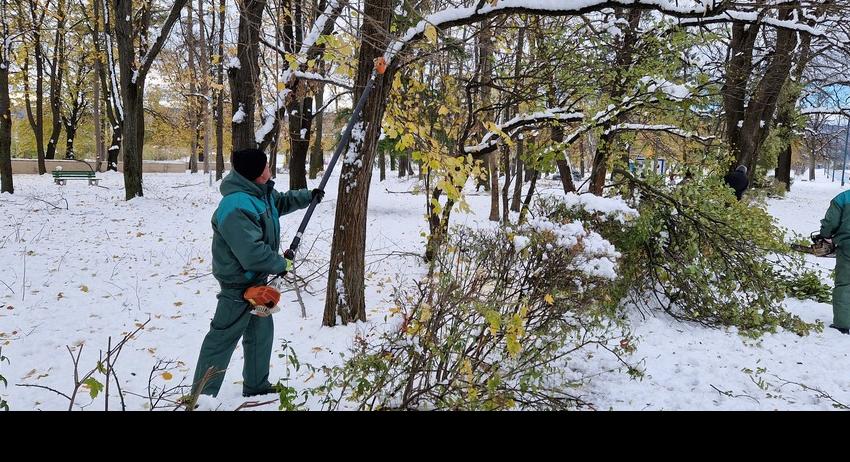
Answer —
(249, 163)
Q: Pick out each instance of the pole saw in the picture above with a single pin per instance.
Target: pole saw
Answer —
(264, 309)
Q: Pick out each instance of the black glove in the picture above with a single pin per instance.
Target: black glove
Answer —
(318, 192)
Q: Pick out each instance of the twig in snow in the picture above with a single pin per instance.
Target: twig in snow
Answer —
(186, 185)
(401, 192)
(248, 404)
(729, 394)
(7, 286)
(820, 393)
(42, 386)
(52, 205)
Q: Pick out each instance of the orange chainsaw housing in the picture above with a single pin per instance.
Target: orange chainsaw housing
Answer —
(262, 296)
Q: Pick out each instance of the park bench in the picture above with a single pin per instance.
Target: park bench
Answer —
(61, 177)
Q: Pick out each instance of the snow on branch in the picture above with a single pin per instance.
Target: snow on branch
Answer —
(826, 110)
(322, 78)
(319, 27)
(451, 17)
(673, 91)
(752, 17)
(275, 112)
(671, 129)
(491, 139)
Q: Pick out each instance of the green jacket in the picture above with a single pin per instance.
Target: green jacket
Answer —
(246, 230)
(836, 223)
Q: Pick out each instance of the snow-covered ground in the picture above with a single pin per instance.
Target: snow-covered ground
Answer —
(101, 266)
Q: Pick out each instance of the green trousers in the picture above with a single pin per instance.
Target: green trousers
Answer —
(233, 320)
(841, 292)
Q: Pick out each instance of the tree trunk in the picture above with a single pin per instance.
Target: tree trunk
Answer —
(71, 132)
(506, 167)
(382, 164)
(193, 102)
(219, 100)
(37, 121)
(812, 166)
(205, 86)
(485, 45)
(748, 127)
(193, 145)
(526, 204)
(346, 282)
(493, 166)
(520, 168)
(783, 167)
(564, 169)
(317, 159)
(109, 83)
(133, 133)
(100, 154)
(244, 80)
(133, 85)
(57, 67)
(623, 62)
(6, 184)
(403, 160)
(299, 141)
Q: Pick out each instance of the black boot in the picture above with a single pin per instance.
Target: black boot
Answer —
(843, 330)
(265, 391)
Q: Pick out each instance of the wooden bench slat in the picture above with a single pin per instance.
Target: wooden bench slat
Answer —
(61, 176)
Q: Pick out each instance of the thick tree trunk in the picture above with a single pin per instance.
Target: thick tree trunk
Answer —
(346, 282)
(244, 80)
(6, 184)
(734, 88)
(133, 132)
(71, 133)
(812, 166)
(748, 127)
(783, 167)
(133, 85)
(403, 166)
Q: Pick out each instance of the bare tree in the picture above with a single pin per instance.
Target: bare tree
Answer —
(134, 65)
(36, 17)
(57, 73)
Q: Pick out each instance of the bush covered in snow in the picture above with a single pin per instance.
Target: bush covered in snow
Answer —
(499, 324)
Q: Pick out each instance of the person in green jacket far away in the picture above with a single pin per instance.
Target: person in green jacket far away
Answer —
(835, 226)
(246, 240)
